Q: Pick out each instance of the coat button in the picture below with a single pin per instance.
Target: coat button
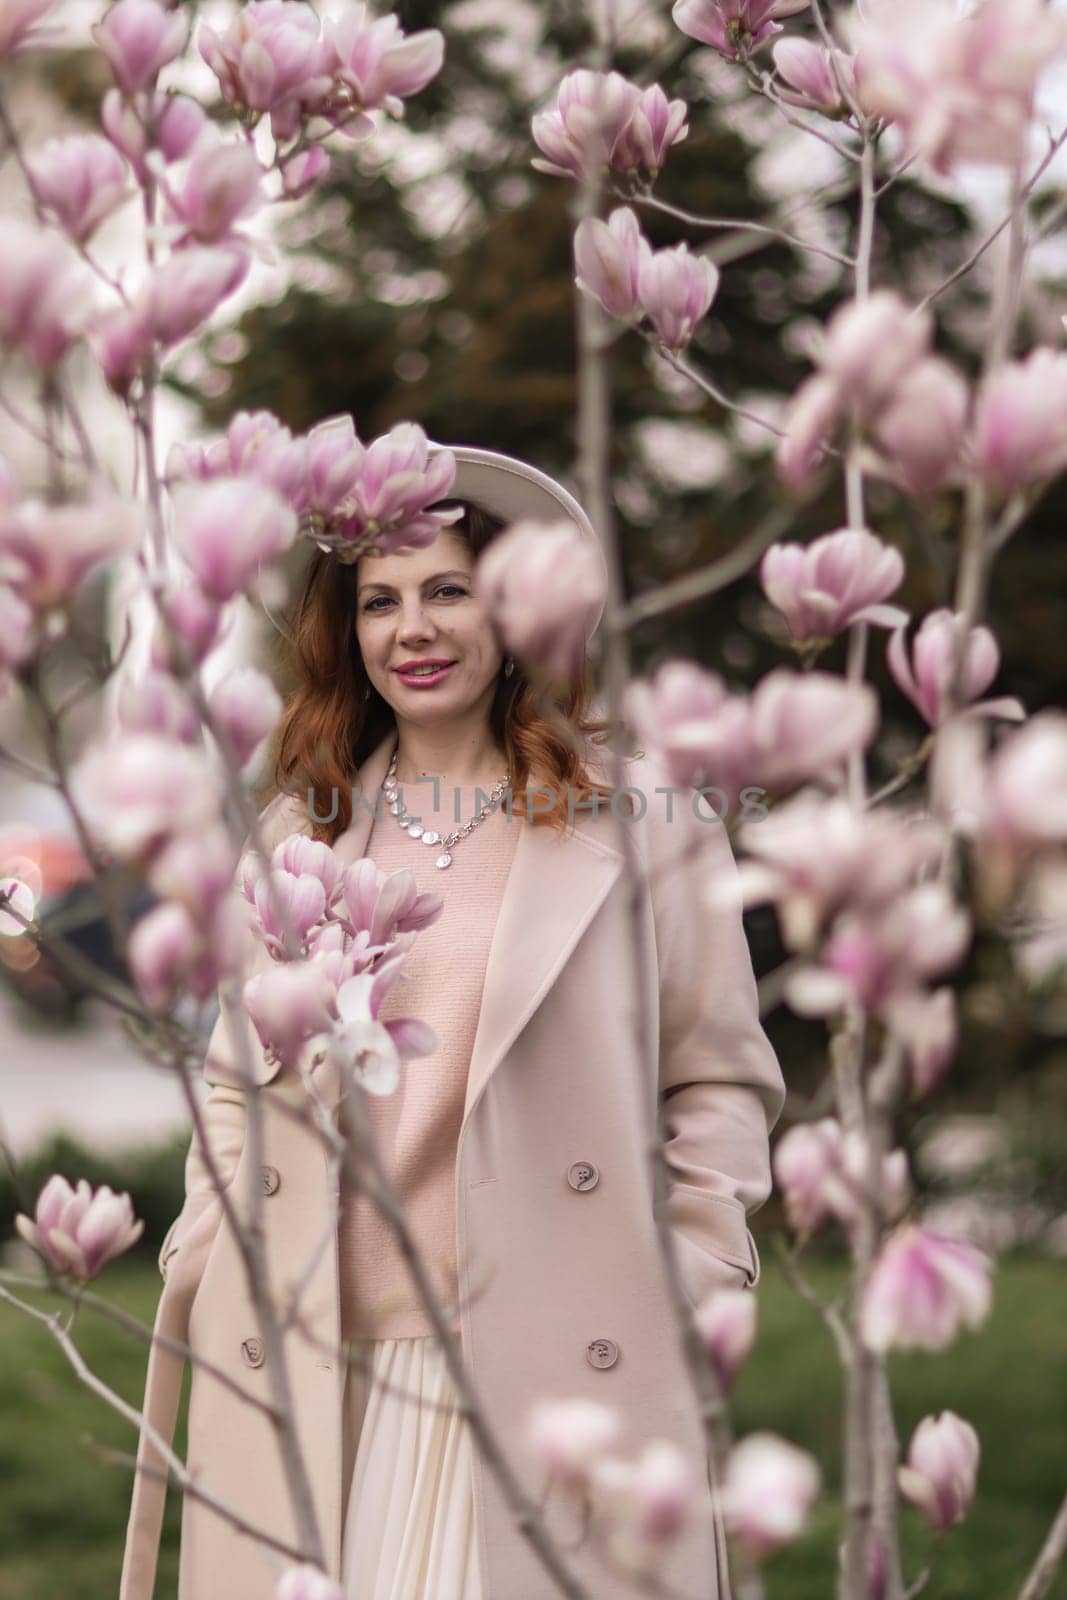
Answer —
(252, 1352)
(271, 1179)
(602, 1352)
(583, 1175)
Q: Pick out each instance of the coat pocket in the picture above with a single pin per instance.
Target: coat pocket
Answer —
(715, 1247)
(181, 1227)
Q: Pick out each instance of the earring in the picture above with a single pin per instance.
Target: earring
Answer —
(510, 668)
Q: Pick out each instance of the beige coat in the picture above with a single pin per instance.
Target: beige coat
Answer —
(561, 1280)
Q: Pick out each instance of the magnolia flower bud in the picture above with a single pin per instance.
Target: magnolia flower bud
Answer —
(839, 579)
(569, 1437)
(228, 529)
(941, 1472)
(544, 586)
(139, 37)
(608, 257)
(80, 179)
(80, 1230)
(727, 1324)
(922, 1289)
(247, 708)
(768, 1489)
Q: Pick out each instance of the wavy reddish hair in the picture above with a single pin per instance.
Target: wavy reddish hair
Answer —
(334, 717)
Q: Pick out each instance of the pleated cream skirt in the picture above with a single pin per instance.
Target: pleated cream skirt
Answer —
(409, 1529)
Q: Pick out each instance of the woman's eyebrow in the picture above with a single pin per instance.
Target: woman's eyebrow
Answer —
(454, 572)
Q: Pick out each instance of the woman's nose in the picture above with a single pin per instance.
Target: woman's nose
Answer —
(414, 621)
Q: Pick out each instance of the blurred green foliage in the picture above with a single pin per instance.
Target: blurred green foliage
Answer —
(63, 1510)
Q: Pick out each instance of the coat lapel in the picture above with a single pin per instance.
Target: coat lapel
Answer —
(554, 888)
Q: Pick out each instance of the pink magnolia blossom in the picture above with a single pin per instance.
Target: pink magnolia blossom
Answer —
(928, 1026)
(307, 1583)
(334, 463)
(647, 1502)
(676, 289)
(1020, 425)
(815, 856)
(378, 906)
(287, 901)
(47, 551)
(170, 123)
(768, 1490)
(662, 1491)
(154, 702)
(793, 728)
(378, 66)
(1024, 804)
(810, 423)
(655, 126)
(803, 725)
(304, 172)
(818, 79)
(386, 507)
(600, 120)
(80, 1230)
(18, 24)
(174, 950)
(80, 179)
(191, 629)
(925, 678)
(46, 293)
(360, 1041)
(941, 1472)
(290, 1004)
(922, 1289)
(270, 54)
(736, 28)
(228, 529)
(822, 1173)
(138, 791)
(608, 257)
(679, 710)
(544, 586)
(256, 445)
(959, 84)
(188, 287)
(921, 432)
(247, 707)
(837, 580)
(878, 959)
(221, 184)
(196, 871)
(568, 1438)
(298, 853)
(139, 37)
(871, 345)
(727, 1324)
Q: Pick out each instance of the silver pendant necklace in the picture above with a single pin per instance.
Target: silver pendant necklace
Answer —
(413, 825)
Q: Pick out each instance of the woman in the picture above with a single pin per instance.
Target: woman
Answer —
(520, 1146)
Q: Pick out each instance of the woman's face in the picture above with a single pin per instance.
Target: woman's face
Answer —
(418, 608)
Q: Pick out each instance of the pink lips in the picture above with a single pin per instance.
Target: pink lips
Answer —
(425, 680)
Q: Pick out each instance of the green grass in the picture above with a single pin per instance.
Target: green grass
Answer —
(63, 1509)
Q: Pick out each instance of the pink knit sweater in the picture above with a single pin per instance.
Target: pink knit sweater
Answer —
(418, 1125)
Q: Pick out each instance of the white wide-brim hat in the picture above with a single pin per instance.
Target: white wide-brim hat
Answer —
(503, 485)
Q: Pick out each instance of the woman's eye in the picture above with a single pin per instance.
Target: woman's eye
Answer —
(447, 589)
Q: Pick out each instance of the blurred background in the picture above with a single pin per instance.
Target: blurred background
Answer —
(431, 280)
